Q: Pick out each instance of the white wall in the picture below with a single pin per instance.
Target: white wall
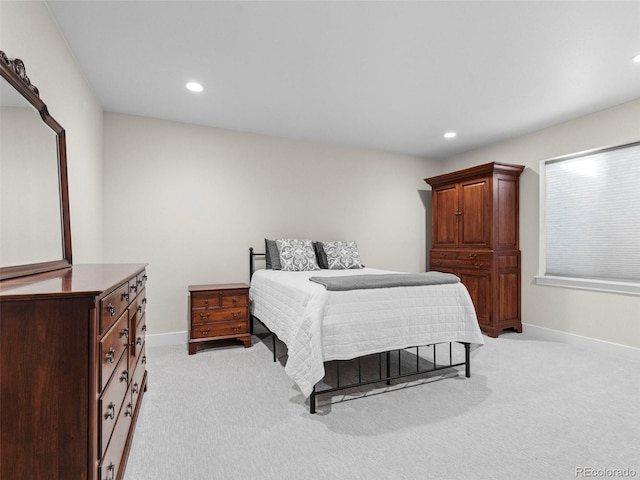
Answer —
(28, 32)
(605, 316)
(191, 200)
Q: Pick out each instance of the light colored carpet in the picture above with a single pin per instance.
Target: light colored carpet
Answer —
(531, 410)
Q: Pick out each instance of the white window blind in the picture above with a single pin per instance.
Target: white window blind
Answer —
(591, 211)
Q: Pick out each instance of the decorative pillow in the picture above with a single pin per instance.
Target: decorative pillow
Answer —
(297, 255)
(321, 257)
(342, 255)
(272, 256)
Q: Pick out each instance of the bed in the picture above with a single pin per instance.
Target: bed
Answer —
(319, 325)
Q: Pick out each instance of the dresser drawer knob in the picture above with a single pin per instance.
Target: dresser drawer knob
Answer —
(111, 412)
(110, 355)
(135, 388)
(206, 303)
(234, 301)
(124, 376)
(133, 288)
(204, 315)
(478, 266)
(129, 411)
(139, 308)
(204, 331)
(124, 332)
(443, 255)
(144, 301)
(144, 277)
(438, 262)
(111, 472)
(144, 327)
(139, 341)
(144, 359)
(235, 314)
(236, 329)
(473, 255)
(111, 309)
(125, 297)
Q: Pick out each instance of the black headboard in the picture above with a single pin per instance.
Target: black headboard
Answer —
(252, 267)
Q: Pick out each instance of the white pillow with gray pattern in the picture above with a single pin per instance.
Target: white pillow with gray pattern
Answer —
(342, 255)
(297, 255)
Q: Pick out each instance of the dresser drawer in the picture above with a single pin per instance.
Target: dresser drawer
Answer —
(142, 301)
(218, 299)
(111, 347)
(219, 315)
(138, 377)
(112, 458)
(111, 401)
(112, 306)
(219, 329)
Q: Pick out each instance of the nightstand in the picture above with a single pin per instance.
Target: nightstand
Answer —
(218, 312)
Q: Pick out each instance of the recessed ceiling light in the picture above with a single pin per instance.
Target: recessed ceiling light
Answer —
(194, 87)
(637, 58)
(450, 134)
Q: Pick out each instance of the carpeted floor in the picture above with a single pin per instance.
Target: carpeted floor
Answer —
(531, 410)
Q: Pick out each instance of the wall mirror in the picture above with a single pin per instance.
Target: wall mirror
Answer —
(35, 232)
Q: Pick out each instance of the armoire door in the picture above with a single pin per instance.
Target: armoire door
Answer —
(475, 214)
(445, 213)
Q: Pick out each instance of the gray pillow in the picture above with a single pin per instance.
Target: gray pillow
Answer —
(320, 255)
(272, 256)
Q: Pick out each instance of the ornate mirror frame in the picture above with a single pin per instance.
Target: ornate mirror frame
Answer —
(13, 71)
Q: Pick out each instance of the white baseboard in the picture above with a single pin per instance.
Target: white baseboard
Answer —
(166, 339)
(548, 334)
(533, 331)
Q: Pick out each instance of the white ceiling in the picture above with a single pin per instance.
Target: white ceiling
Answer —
(386, 75)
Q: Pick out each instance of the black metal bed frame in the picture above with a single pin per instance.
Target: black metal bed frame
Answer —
(389, 375)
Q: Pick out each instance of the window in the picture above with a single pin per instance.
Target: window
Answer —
(590, 220)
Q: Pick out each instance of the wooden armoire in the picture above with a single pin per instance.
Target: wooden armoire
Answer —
(474, 235)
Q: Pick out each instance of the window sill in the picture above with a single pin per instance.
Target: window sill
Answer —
(608, 286)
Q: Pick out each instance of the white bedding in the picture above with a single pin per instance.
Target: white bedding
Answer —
(318, 325)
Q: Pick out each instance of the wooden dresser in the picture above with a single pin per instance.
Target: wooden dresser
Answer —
(72, 371)
(475, 235)
(218, 312)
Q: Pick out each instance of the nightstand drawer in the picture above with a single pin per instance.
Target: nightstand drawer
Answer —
(219, 315)
(219, 299)
(219, 329)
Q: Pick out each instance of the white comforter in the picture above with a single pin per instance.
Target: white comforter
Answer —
(318, 325)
